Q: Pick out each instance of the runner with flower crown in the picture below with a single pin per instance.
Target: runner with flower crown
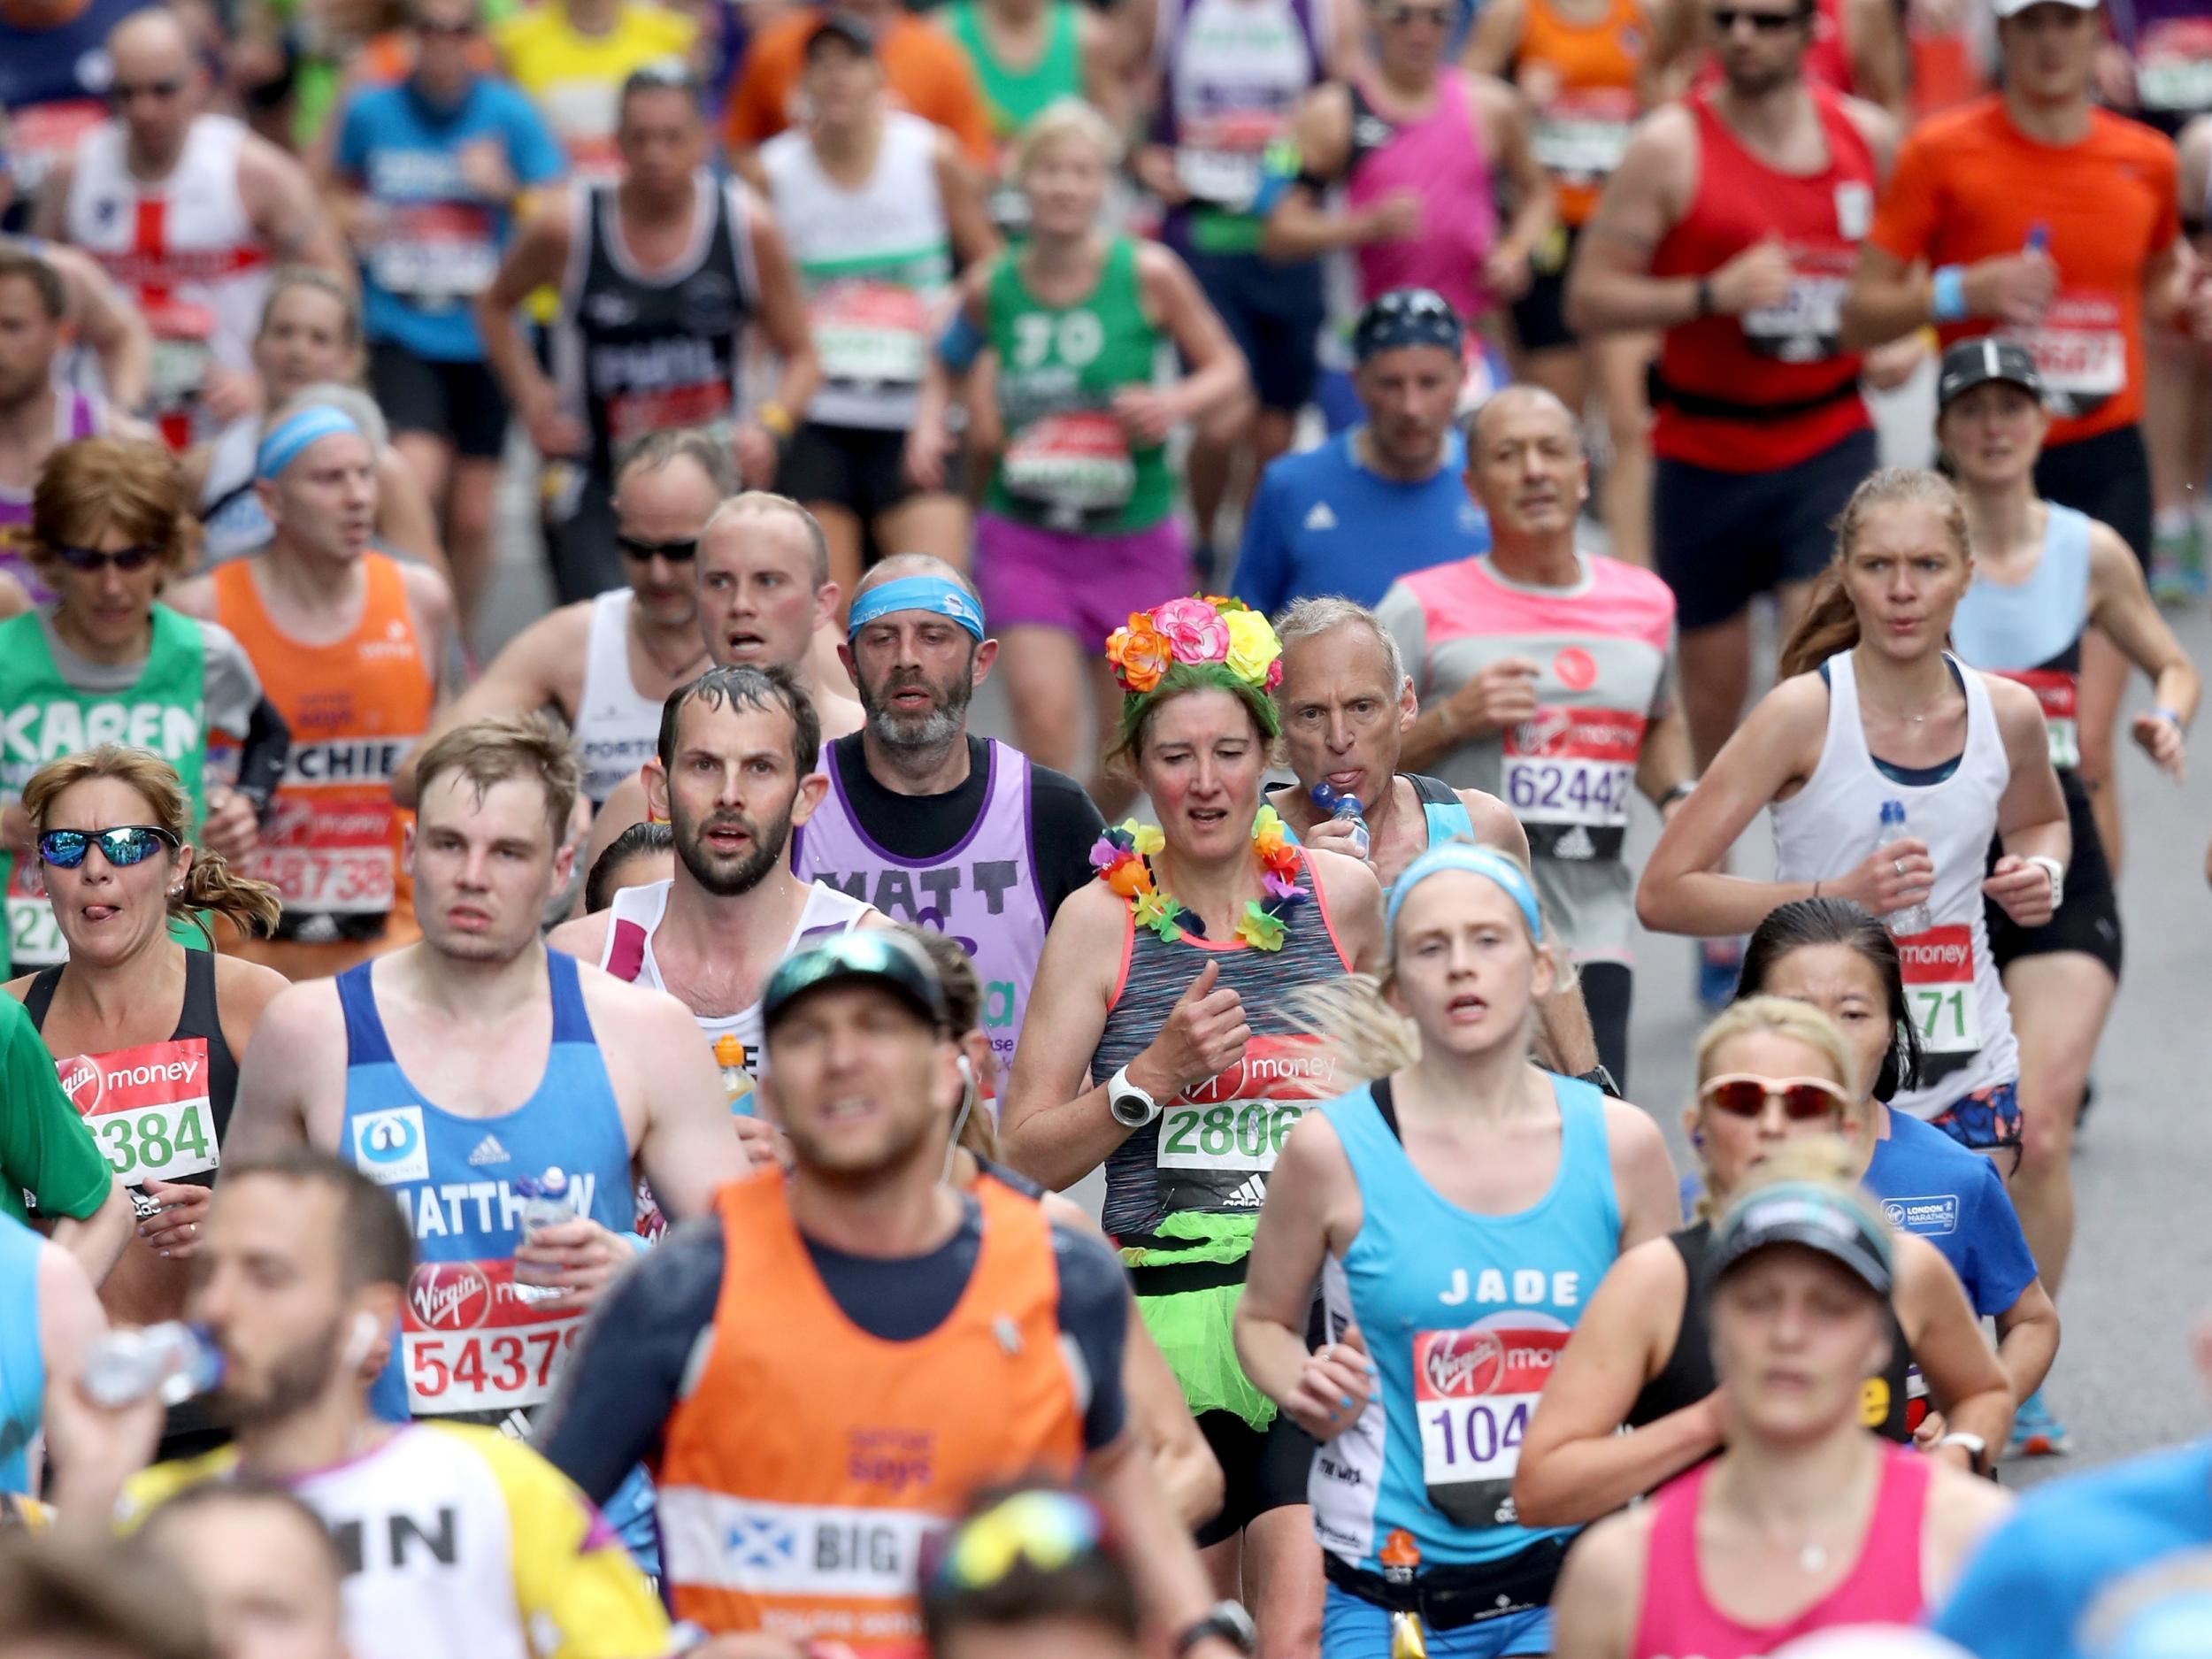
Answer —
(1165, 980)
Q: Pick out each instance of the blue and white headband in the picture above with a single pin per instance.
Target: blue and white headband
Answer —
(284, 442)
(933, 594)
(1481, 861)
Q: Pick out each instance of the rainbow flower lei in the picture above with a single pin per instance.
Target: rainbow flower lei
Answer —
(1122, 858)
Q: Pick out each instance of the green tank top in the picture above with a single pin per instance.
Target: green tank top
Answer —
(1015, 98)
(1065, 465)
(42, 717)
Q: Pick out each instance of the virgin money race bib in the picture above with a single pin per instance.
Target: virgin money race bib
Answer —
(2079, 350)
(870, 333)
(1568, 774)
(147, 1107)
(1938, 967)
(472, 1339)
(1805, 326)
(328, 858)
(436, 253)
(1473, 1390)
(2057, 691)
(1074, 463)
(1218, 1140)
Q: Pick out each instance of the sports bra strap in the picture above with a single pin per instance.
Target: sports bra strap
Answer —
(39, 997)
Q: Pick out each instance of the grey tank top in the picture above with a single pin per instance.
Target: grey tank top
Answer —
(1212, 1145)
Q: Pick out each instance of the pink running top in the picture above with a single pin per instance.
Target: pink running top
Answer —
(1883, 1588)
(1438, 157)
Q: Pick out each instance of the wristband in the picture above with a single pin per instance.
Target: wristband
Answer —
(1946, 294)
(961, 343)
(2172, 718)
(637, 1243)
(1682, 791)
(1705, 296)
(776, 418)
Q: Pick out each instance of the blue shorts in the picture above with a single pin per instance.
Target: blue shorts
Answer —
(1354, 1629)
(1988, 1120)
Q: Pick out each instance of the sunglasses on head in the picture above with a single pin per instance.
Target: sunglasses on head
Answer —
(128, 91)
(1803, 1098)
(645, 552)
(92, 558)
(1766, 22)
(1048, 1530)
(130, 844)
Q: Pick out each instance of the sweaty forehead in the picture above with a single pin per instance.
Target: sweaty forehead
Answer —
(729, 728)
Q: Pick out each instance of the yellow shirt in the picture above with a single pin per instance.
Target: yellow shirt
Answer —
(576, 80)
(460, 1543)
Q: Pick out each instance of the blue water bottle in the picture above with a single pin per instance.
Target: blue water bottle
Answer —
(1346, 808)
(1914, 918)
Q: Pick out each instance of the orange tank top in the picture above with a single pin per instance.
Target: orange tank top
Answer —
(355, 707)
(1581, 78)
(800, 1477)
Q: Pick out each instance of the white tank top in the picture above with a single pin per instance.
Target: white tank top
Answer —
(231, 519)
(871, 262)
(1829, 826)
(184, 249)
(617, 727)
(635, 917)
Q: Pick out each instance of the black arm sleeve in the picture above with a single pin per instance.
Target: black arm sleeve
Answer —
(1094, 1314)
(626, 1375)
(261, 757)
(1062, 824)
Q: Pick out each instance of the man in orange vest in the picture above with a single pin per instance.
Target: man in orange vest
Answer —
(823, 1380)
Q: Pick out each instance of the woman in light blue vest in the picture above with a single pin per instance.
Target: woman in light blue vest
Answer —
(1459, 1210)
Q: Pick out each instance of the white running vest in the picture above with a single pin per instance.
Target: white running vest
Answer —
(1829, 826)
(873, 262)
(617, 727)
(182, 248)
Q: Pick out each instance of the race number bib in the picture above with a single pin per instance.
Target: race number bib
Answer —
(2173, 66)
(34, 938)
(183, 351)
(870, 333)
(2080, 350)
(328, 859)
(43, 134)
(1222, 158)
(148, 1106)
(1805, 326)
(472, 1339)
(1073, 464)
(1581, 132)
(632, 414)
(1938, 967)
(1473, 1389)
(1568, 774)
(1218, 1140)
(2056, 690)
(437, 252)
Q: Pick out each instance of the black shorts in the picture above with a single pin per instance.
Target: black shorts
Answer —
(861, 469)
(1540, 316)
(1274, 312)
(1261, 1469)
(2089, 921)
(2108, 477)
(1607, 989)
(460, 402)
(1720, 540)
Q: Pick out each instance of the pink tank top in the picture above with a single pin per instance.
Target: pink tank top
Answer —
(1440, 158)
(1883, 1588)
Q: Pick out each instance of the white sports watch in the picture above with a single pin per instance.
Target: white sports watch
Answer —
(1131, 1106)
(2056, 870)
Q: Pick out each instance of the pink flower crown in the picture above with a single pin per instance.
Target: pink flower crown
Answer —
(1225, 632)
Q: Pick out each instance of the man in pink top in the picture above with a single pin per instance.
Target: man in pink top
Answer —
(1545, 675)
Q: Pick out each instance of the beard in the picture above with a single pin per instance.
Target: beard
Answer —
(919, 733)
(297, 1380)
(726, 877)
(861, 1170)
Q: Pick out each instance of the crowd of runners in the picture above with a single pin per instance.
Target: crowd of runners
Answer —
(651, 1131)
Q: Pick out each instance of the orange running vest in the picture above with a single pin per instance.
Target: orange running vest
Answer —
(801, 1474)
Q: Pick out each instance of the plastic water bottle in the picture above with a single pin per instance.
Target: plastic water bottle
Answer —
(1346, 808)
(1914, 918)
(737, 1082)
(173, 1360)
(546, 1200)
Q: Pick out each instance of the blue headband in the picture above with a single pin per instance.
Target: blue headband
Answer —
(295, 433)
(933, 594)
(1481, 861)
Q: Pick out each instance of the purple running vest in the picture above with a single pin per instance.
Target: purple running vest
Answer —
(982, 891)
(75, 415)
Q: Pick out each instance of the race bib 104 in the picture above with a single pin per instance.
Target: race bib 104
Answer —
(1938, 967)
(472, 1339)
(1473, 1389)
(148, 1106)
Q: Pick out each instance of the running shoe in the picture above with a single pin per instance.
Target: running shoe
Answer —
(2177, 571)
(2036, 1432)
(1719, 964)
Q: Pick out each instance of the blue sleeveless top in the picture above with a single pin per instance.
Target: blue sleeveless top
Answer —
(22, 1354)
(2007, 628)
(1463, 1316)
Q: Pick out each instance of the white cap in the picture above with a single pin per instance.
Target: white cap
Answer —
(2014, 8)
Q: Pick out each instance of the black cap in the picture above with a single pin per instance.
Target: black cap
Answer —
(1810, 1215)
(841, 25)
(1972, 362)
(1406, 316)
(872, 954)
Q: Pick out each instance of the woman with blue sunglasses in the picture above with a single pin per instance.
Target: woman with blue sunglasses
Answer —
(146, 1035)
(105, 661)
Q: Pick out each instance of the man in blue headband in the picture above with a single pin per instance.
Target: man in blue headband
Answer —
(930, 823)
(348, 642)
(1382, 498)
